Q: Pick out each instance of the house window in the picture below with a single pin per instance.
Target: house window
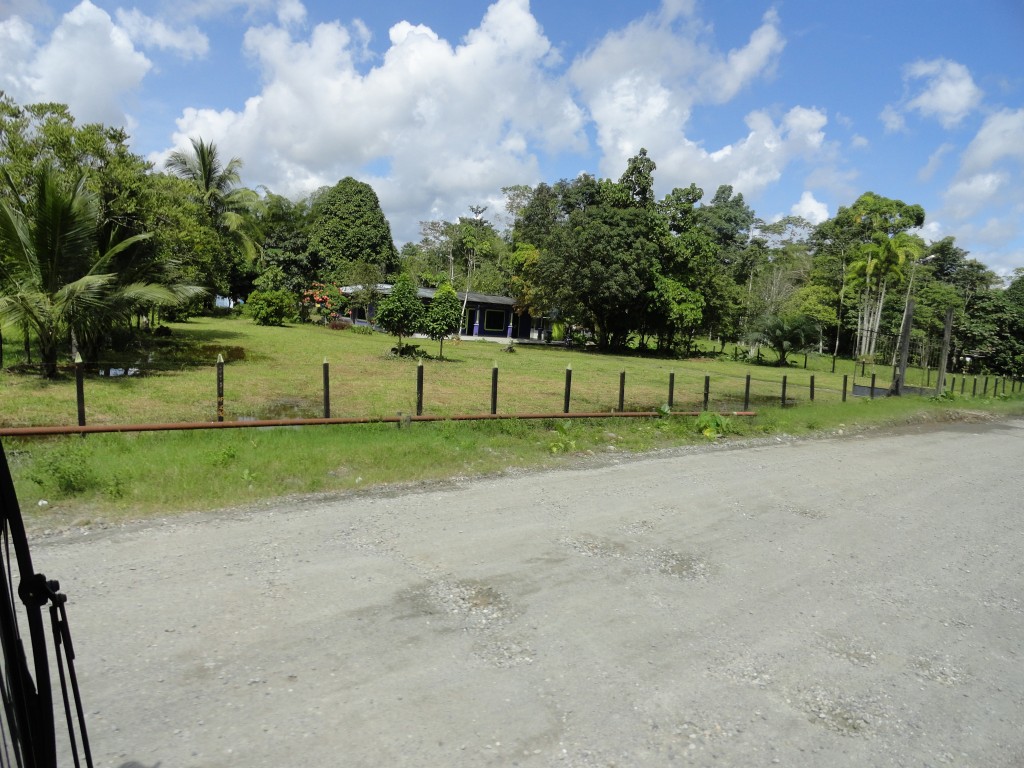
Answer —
(494, 320)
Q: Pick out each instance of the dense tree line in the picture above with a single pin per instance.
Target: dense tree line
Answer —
(605, 259)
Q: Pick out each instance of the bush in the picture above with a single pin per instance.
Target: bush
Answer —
(270, 307)
(63, 470)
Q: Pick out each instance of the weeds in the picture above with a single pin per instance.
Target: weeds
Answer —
(564, 442)
(713, 425)
(63, 469)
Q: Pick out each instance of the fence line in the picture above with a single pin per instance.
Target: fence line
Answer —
(754, 390)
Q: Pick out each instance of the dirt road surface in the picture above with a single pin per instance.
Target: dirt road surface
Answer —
(849, 601)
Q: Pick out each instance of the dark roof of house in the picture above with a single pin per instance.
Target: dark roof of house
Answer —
(428, 293)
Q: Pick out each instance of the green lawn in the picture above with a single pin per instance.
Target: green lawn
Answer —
(278, 373)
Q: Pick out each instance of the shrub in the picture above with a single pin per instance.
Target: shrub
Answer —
(63, 469)
(270, 307)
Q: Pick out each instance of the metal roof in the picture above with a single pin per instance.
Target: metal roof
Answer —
(428, 293)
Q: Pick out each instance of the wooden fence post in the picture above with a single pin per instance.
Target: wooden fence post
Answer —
(419, 388)
(671, 388)
(812, 388)
(327, 389)
(494, 389)
(784, 391)
(80, 389)
(220, 387)
(707, 391)
(845, 377)
(746, 394)
(568, 387)
(622, 391)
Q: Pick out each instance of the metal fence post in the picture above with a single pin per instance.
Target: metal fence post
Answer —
(873, 375)
(746, 394)
(812, 388)
(622, 391)
(845, 377)
(707, 391)
(671, 388)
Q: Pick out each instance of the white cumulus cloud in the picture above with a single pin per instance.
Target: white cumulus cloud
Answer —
(987, 184)
(940, 88)
(1001, 137)
(88, 63)
(188, 42)
(434, 127)
(949, 92)
(641, 84)
(809, 208)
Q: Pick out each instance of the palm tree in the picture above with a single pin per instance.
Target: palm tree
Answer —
(54, 278)
(880, 259)
(232, 208)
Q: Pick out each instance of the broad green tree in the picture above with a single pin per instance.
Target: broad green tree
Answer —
(401, 312)
(444, 315)
(346, 225)
(283, 223)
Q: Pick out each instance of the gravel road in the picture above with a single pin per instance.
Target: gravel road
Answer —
(846, 601)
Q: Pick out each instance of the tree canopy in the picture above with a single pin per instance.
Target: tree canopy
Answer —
(605, 257)
(348, 225)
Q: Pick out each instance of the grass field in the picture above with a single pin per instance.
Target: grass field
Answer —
(273, 373)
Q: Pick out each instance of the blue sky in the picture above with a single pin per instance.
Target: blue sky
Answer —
(801, 105)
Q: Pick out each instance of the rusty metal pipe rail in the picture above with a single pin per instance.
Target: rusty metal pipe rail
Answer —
(402, 419)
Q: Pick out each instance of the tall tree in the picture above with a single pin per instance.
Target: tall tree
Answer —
(867, 245)
(347, 224)
(879, 261)
(232, 209)
(283, 223)
(55, 278)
